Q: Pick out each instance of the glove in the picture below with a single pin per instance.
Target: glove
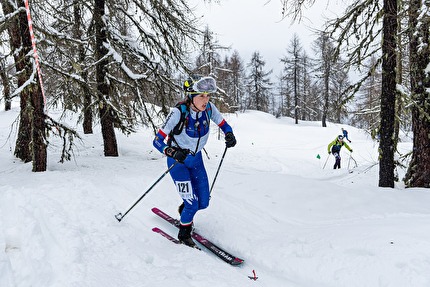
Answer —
(230, 140)
(350, 151)
(329, 152)
(176, 153)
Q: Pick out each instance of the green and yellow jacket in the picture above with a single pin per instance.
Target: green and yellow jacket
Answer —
(337, 145)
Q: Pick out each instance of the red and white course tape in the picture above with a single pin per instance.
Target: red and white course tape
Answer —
(35, 55)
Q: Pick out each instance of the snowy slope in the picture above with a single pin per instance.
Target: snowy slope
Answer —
(294, 223)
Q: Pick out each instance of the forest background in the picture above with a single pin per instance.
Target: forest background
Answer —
(115, 62)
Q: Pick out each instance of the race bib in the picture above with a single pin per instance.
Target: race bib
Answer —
(185, 189)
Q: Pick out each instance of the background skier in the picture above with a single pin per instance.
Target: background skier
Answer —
(345, 134)
(334, 148)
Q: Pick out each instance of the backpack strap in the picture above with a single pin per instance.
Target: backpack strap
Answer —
(183, 120)
(183, 108)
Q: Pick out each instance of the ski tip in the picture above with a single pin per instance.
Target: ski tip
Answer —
(154, 209)
(165, 235)
(237, 262)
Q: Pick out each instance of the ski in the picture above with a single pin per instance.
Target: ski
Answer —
(219, 252)
(165, 235)
(171, 238)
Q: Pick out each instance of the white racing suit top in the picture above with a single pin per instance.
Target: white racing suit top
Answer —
(195, 132)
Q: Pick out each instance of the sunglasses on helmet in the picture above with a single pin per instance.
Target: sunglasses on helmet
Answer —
(205, 85)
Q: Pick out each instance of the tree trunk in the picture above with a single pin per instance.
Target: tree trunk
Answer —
(326, 64)
(106, 116)
(326, 100)
(87, 98)
(388, 95)
(296, 92)
(399, 76)
(23, 70)
(6, 85)
(38, 133)
(418, 174)
(88, 114)
(22, 145)
(36, 102)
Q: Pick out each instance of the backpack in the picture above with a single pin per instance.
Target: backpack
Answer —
(182, 106)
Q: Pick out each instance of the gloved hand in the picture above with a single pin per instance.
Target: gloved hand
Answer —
(350, 150)
(329, 152)
(176, 153)
(230, 140)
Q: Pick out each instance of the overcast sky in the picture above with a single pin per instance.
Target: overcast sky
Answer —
(256, 25)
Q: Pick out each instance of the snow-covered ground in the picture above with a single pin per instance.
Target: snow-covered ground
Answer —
(294, 223)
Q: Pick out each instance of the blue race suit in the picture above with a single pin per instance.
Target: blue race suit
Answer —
(190, 177)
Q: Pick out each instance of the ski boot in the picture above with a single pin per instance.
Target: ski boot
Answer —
(184, 235)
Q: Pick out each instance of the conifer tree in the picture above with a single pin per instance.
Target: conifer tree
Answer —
(258, 84)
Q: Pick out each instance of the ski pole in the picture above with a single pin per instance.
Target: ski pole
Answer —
(349, 160)
(356, 165)
(326, 161)
(219, 166)
(120, 216)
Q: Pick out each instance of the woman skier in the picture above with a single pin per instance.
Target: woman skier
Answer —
(181, 138)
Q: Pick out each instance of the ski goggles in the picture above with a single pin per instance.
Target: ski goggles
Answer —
(205, 85)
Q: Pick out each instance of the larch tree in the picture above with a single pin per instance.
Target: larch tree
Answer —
(106, 112)
(286, 93)
(258, 84)
(209, 59)
(31, 141)
(23, 69)
(78, 30)
(209, 63)
(235, 77)
(325, 59)
(293, 71)
(307, 101)
(388, 94)
(339, 96)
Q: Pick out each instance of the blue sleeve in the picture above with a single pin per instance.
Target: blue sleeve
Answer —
(226, 128)
(218, 119)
